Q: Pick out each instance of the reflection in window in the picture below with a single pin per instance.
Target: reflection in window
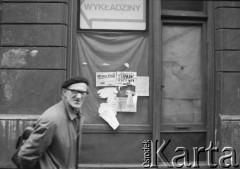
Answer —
(182, 78)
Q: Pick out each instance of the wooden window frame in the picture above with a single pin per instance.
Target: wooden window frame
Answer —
(190, 127)
(206, 18)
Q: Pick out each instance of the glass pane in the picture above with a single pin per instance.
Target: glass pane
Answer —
(183, 5)
(182, 79)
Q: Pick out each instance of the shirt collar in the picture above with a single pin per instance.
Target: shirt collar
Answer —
(72, 113)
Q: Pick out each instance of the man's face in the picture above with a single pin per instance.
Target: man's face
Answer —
(75, 94)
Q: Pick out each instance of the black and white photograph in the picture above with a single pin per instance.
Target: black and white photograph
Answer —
(119, 84)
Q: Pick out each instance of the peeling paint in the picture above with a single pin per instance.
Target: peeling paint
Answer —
(12, 129)
(8, 91)
(3, 128)
(34, 53)
(14, 58)
(9, 81)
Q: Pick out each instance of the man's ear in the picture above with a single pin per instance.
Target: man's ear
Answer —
(64, 92)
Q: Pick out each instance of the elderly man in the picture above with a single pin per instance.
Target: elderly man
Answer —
(54, 142)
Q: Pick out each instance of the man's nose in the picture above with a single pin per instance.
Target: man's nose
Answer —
(79, 95)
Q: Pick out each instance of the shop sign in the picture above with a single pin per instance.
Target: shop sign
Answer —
(113, 14)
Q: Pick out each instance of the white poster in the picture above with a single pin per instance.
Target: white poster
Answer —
(126, 78)
(127, 104)
(106, 79)
(142, 86)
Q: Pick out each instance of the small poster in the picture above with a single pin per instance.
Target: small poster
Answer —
(142, 86)
(106, 79)
(127, 104)
(126, 78)
(127, 99)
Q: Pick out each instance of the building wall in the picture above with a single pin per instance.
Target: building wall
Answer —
(33, 54)
(227, 56)
(227, 50)
(33, 50)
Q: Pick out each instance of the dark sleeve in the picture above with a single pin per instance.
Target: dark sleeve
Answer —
(37, 144)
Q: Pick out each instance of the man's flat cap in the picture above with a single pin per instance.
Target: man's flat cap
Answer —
(73, 80)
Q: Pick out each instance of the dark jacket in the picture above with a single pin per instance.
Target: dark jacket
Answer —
(53, 143)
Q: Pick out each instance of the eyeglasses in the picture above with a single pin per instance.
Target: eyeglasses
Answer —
(76, 92)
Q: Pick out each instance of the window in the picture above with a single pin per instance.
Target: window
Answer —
(182, 75)
(185, 75)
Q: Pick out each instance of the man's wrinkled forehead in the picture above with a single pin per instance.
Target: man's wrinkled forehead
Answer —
(78, 86)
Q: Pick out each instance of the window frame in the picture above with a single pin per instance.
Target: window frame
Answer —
(189, 127)
(208, 17)
(155, 30)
